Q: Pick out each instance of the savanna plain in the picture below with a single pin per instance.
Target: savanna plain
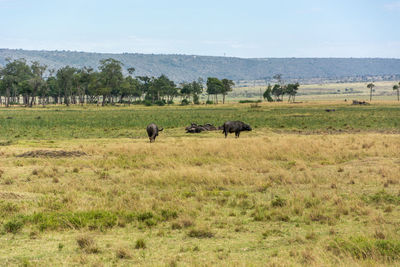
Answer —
(83, 186)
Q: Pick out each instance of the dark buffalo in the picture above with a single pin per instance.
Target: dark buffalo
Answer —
(194, 128)
(235, 127)
(152, 131)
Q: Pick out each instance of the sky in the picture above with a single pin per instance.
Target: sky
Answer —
(248, 29)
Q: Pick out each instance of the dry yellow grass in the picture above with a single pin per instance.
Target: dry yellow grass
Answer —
(333, 91)
(263, 199)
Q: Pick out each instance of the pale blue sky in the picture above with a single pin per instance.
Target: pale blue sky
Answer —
(252, 28)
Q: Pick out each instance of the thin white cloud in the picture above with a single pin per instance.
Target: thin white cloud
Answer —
(393, 6)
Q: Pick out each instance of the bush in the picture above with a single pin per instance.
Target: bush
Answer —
(137, 102)
(209, 102)
(185, 102)
(147, 103)
(160, 102)
(249, 101)
(170, 102)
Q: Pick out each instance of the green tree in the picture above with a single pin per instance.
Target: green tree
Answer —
(214, 87)
(396, 88)
(227, 87)
(371, 87)
(277, 91)
(14, 73)
(95, 87)
(162, 87)
(81, 82)
(111, 77)
(65, 82)
(144, 86)
(186, 90)
(37, 81)
(197, 89)
(267, 94)
(291, 90)
(52, 88)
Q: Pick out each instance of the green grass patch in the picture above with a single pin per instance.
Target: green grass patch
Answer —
(382, 197)
(366, 248)
(85, 219)
(117, 122)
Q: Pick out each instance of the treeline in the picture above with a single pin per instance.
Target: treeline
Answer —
(21, 83)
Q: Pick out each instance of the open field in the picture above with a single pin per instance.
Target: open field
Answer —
(55, 122)
(305, 187)
(327, 92)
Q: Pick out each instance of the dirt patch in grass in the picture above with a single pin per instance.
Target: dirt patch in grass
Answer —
(51, 154)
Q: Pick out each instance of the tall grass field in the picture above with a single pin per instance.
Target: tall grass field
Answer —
(83, 186)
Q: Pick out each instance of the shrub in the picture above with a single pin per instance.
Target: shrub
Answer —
(147, 103)
(185, 102)
(170, 102)
(249, 101)
(209, 102)
(137, 102)
(160, 102)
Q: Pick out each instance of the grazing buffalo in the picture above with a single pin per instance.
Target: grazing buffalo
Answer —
(235, 127)
(152, 131)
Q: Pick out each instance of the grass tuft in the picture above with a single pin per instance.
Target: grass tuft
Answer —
(140, 244)
(87, 244)
(200, 233)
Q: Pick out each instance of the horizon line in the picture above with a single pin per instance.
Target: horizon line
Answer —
(192, 55)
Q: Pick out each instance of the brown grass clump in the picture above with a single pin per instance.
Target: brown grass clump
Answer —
(123, 253)
(87, 244)
(201, 233)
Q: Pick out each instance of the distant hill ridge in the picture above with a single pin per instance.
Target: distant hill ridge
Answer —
(190, 67)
